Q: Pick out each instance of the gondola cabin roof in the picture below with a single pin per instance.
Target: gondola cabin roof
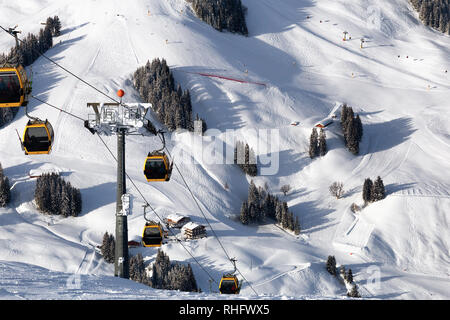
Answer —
(38, 137)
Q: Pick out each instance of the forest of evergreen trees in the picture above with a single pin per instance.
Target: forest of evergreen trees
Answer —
(172, 276)
(55, 196)
(28, 51)
(222, 14)
(5, 193)
(261, 205)
(156, 85)
(245, 158)
(434, 13)
(352, 129)
(165, 275)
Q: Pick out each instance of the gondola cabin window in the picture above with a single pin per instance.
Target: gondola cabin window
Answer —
(9, 87)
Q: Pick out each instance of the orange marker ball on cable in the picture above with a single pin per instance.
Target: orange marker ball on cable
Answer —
(120, 93)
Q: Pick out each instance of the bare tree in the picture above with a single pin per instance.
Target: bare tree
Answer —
(337, 189)
(355, 208)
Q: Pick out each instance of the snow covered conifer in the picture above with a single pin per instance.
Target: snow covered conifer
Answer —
(137, 269)
(351, 135)
(378, 192)
(367, 190)
(322, 143)
(359, 128)
(344, 114)
(349, 276)
(244, 216)
(313, 144)
(5, 193)
(108, 247)
(331, 265)
(296, 226)
(353, 293)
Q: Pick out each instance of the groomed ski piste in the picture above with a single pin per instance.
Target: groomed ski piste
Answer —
(397, 248)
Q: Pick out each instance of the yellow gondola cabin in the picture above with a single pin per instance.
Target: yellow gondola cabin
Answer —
(38, 137)
(14, 87)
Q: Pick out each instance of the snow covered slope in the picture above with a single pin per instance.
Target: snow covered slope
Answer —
(396, 83)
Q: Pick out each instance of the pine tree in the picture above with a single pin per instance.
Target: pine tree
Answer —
(244, 216)
(108, 247)
(353, 293)
(352, 136)
(367, 190)
(65, 202)
(284, 215)
(56, 26)
(359, 128)
(344, 114)
(322, 143)
(137, 269)
(5, 193)
(279, 211)
(331, 265)
(349, 276)
(313, 144)
(378, 191)
(297, 226)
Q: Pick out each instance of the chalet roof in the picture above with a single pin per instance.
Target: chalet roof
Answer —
(175, 217)
(192, 226)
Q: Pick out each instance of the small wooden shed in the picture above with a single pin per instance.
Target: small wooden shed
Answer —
(324, 123)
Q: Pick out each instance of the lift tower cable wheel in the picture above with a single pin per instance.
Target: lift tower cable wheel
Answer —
(119, 119)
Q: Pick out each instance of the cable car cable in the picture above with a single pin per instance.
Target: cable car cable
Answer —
(55, 107)
(132, 182)
(58, 65)
(106, 95)
(154, 211)
(201, 211)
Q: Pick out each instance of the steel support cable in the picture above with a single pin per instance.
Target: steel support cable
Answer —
(55, 107)
(101, 92)
(154, 211)
(132, 182)
(60, 66)
(207, 221)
